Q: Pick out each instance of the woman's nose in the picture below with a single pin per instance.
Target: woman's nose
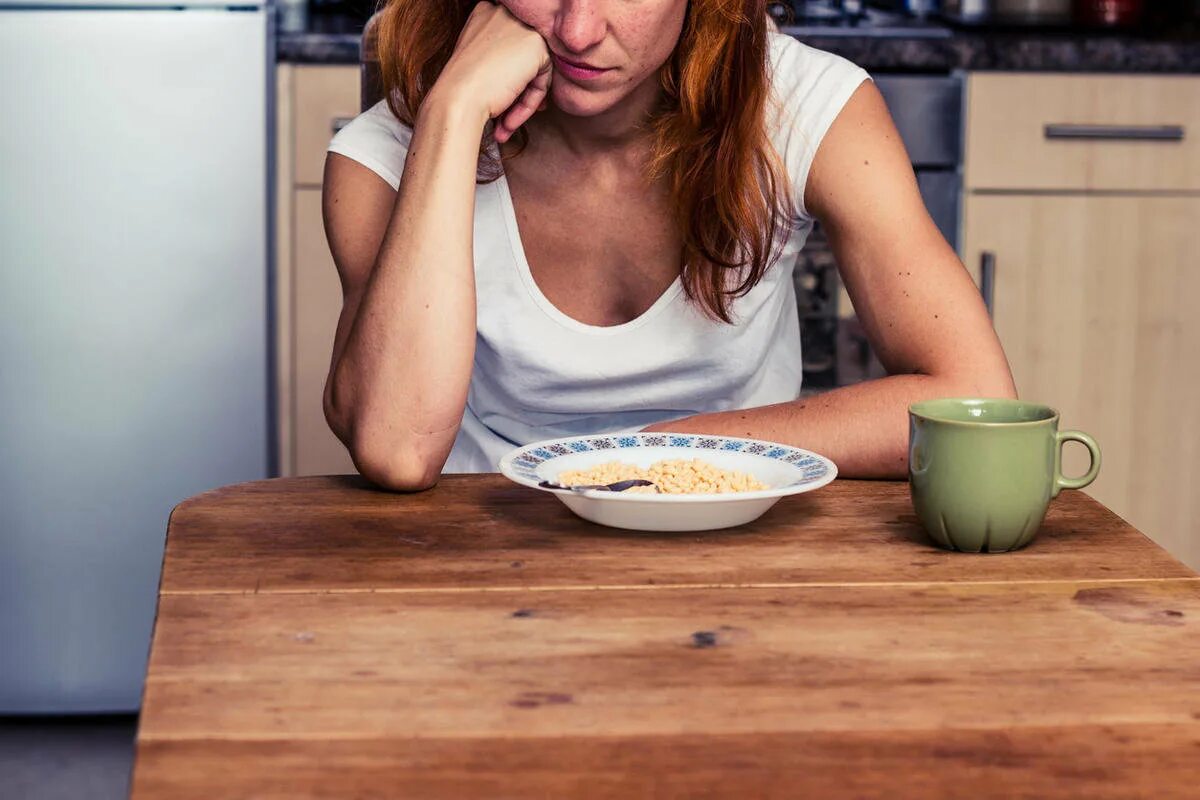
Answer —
(580, 24)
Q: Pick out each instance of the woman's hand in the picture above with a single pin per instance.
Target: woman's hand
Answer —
(500, 66)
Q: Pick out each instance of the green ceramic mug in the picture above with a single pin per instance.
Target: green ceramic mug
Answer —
(982, 472)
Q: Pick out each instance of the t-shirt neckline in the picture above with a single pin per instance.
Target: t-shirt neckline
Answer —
(508, 212)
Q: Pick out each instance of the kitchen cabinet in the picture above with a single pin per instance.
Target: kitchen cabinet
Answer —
(313, 101)
(1100, 136)
(1094, 244)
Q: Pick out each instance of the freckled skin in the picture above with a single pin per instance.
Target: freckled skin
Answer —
(634, 37)
(422, 303)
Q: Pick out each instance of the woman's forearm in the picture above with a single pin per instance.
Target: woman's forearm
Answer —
(863, 428)
(399, 385)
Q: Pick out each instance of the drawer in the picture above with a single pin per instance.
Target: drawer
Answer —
(1083, 132)
(323, 98)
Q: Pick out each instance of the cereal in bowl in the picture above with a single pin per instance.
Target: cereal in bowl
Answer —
(675, 476)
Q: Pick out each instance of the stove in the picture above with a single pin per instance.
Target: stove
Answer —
(818, 18)
(824, 12)
(927, 110)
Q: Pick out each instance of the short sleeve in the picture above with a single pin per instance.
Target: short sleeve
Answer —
(377, 140)
(810, 88)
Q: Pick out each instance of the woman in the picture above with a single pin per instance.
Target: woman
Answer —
(617, 255)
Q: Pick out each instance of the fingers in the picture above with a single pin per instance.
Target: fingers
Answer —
(532, 100)
(539, 87)
(514, 117)
(541, 81)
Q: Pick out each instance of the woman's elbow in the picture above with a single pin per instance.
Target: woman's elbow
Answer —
(399, 475)
(404, 464)
(1006, 390)
(995, 381)
(397, 469)
(976, 376)
(335, 418)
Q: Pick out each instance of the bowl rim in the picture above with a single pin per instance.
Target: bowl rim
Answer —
(831, 471)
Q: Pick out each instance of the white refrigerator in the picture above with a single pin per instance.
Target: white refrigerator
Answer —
(134, 318)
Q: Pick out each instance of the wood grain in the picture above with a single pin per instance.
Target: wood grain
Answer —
(631, 662)
(1006, 147)
(322, 534)
(1035, 690)
(1094, 308)
(1100, 762)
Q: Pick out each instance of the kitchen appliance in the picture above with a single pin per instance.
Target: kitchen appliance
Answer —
(918, 8)
(1022, 13)
(825, 18)
(1032, 12)
(927, 110)
(1109, 13)
(967, 11)
(134, 324)
(812, 12)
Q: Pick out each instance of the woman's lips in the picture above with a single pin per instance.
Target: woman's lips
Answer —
(576, 71)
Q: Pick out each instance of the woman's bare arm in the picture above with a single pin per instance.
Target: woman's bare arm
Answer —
(406, 336)
(405, 340)
(920, 308)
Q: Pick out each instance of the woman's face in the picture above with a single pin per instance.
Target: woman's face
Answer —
(623, 41)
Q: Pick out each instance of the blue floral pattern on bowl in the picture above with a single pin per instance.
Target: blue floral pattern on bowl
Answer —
(525, 462)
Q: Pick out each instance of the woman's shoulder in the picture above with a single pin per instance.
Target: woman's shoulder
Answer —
(809, 88)
(805, 80)
(377, 140)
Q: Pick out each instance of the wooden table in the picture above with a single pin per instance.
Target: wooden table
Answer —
(319, 639)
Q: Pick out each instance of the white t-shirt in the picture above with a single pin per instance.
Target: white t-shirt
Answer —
(539, 374)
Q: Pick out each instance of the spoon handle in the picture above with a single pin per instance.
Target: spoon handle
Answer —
(619, 486)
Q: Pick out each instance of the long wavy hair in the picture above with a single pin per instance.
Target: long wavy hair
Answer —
(710, 142)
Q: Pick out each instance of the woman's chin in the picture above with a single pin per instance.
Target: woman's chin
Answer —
(579, 102)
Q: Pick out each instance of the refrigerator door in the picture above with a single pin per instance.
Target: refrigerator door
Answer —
(133, 323)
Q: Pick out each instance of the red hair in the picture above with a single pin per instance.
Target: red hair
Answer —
(710, 139)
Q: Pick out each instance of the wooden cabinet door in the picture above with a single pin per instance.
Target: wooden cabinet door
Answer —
(325, 98)
(1096, 305)
(312, 102)
(1093, 132)
(317, 302)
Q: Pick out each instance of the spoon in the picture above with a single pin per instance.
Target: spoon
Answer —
(619, 486)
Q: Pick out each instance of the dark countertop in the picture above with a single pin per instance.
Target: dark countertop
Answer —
(1016, 51)
(334, 39)
(326, 39)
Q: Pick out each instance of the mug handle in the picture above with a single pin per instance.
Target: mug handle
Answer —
(1060, 480)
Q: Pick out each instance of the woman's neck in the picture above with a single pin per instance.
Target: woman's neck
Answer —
(612, 131)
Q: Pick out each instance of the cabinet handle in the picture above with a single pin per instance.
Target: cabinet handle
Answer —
(987, 280)
(341, 122)
(1129, 133)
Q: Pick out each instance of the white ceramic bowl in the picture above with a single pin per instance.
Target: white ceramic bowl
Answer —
(786, 470)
